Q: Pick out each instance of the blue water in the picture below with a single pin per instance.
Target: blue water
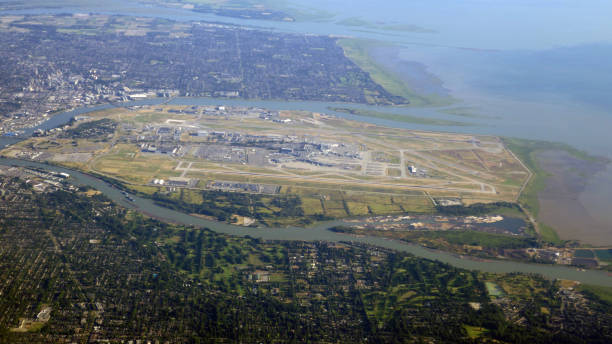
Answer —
(539, 69)
(560, 94)
(543, 67)
(486, 24)
(478, 24)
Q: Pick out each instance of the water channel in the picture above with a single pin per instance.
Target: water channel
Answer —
(320, 232)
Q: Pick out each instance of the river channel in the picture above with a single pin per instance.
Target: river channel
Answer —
(320, 232)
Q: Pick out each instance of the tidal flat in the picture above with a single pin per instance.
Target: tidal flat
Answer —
(564, 201)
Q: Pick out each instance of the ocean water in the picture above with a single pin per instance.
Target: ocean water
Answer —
(484, 24)
(539, 69)
(531, 68)
(558, 94)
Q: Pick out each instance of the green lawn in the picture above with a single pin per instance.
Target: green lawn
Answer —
(398, 117)
(474, 331)
(603, 293)
(493, 289)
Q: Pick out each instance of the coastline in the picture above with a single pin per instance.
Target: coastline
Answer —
(574, 214)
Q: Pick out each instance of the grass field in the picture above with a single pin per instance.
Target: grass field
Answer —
(125, 164)
(474, 331)
(475, 238)
(332, 204)
(548, 234)
(603, 293)
(398, 117)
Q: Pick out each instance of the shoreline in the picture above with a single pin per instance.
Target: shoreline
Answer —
(553, 224)
(527, 198)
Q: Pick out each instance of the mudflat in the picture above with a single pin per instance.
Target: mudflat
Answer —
(561, 204)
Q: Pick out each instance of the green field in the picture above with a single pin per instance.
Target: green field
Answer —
(480, 239)
(398, 117)
(358, 22)
(603, 293)
(548, 234)
(493, 289)
(292, 206)
(474, 331)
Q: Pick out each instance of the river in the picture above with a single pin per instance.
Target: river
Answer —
(320, 232)
(517, 78)
(503, 69)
